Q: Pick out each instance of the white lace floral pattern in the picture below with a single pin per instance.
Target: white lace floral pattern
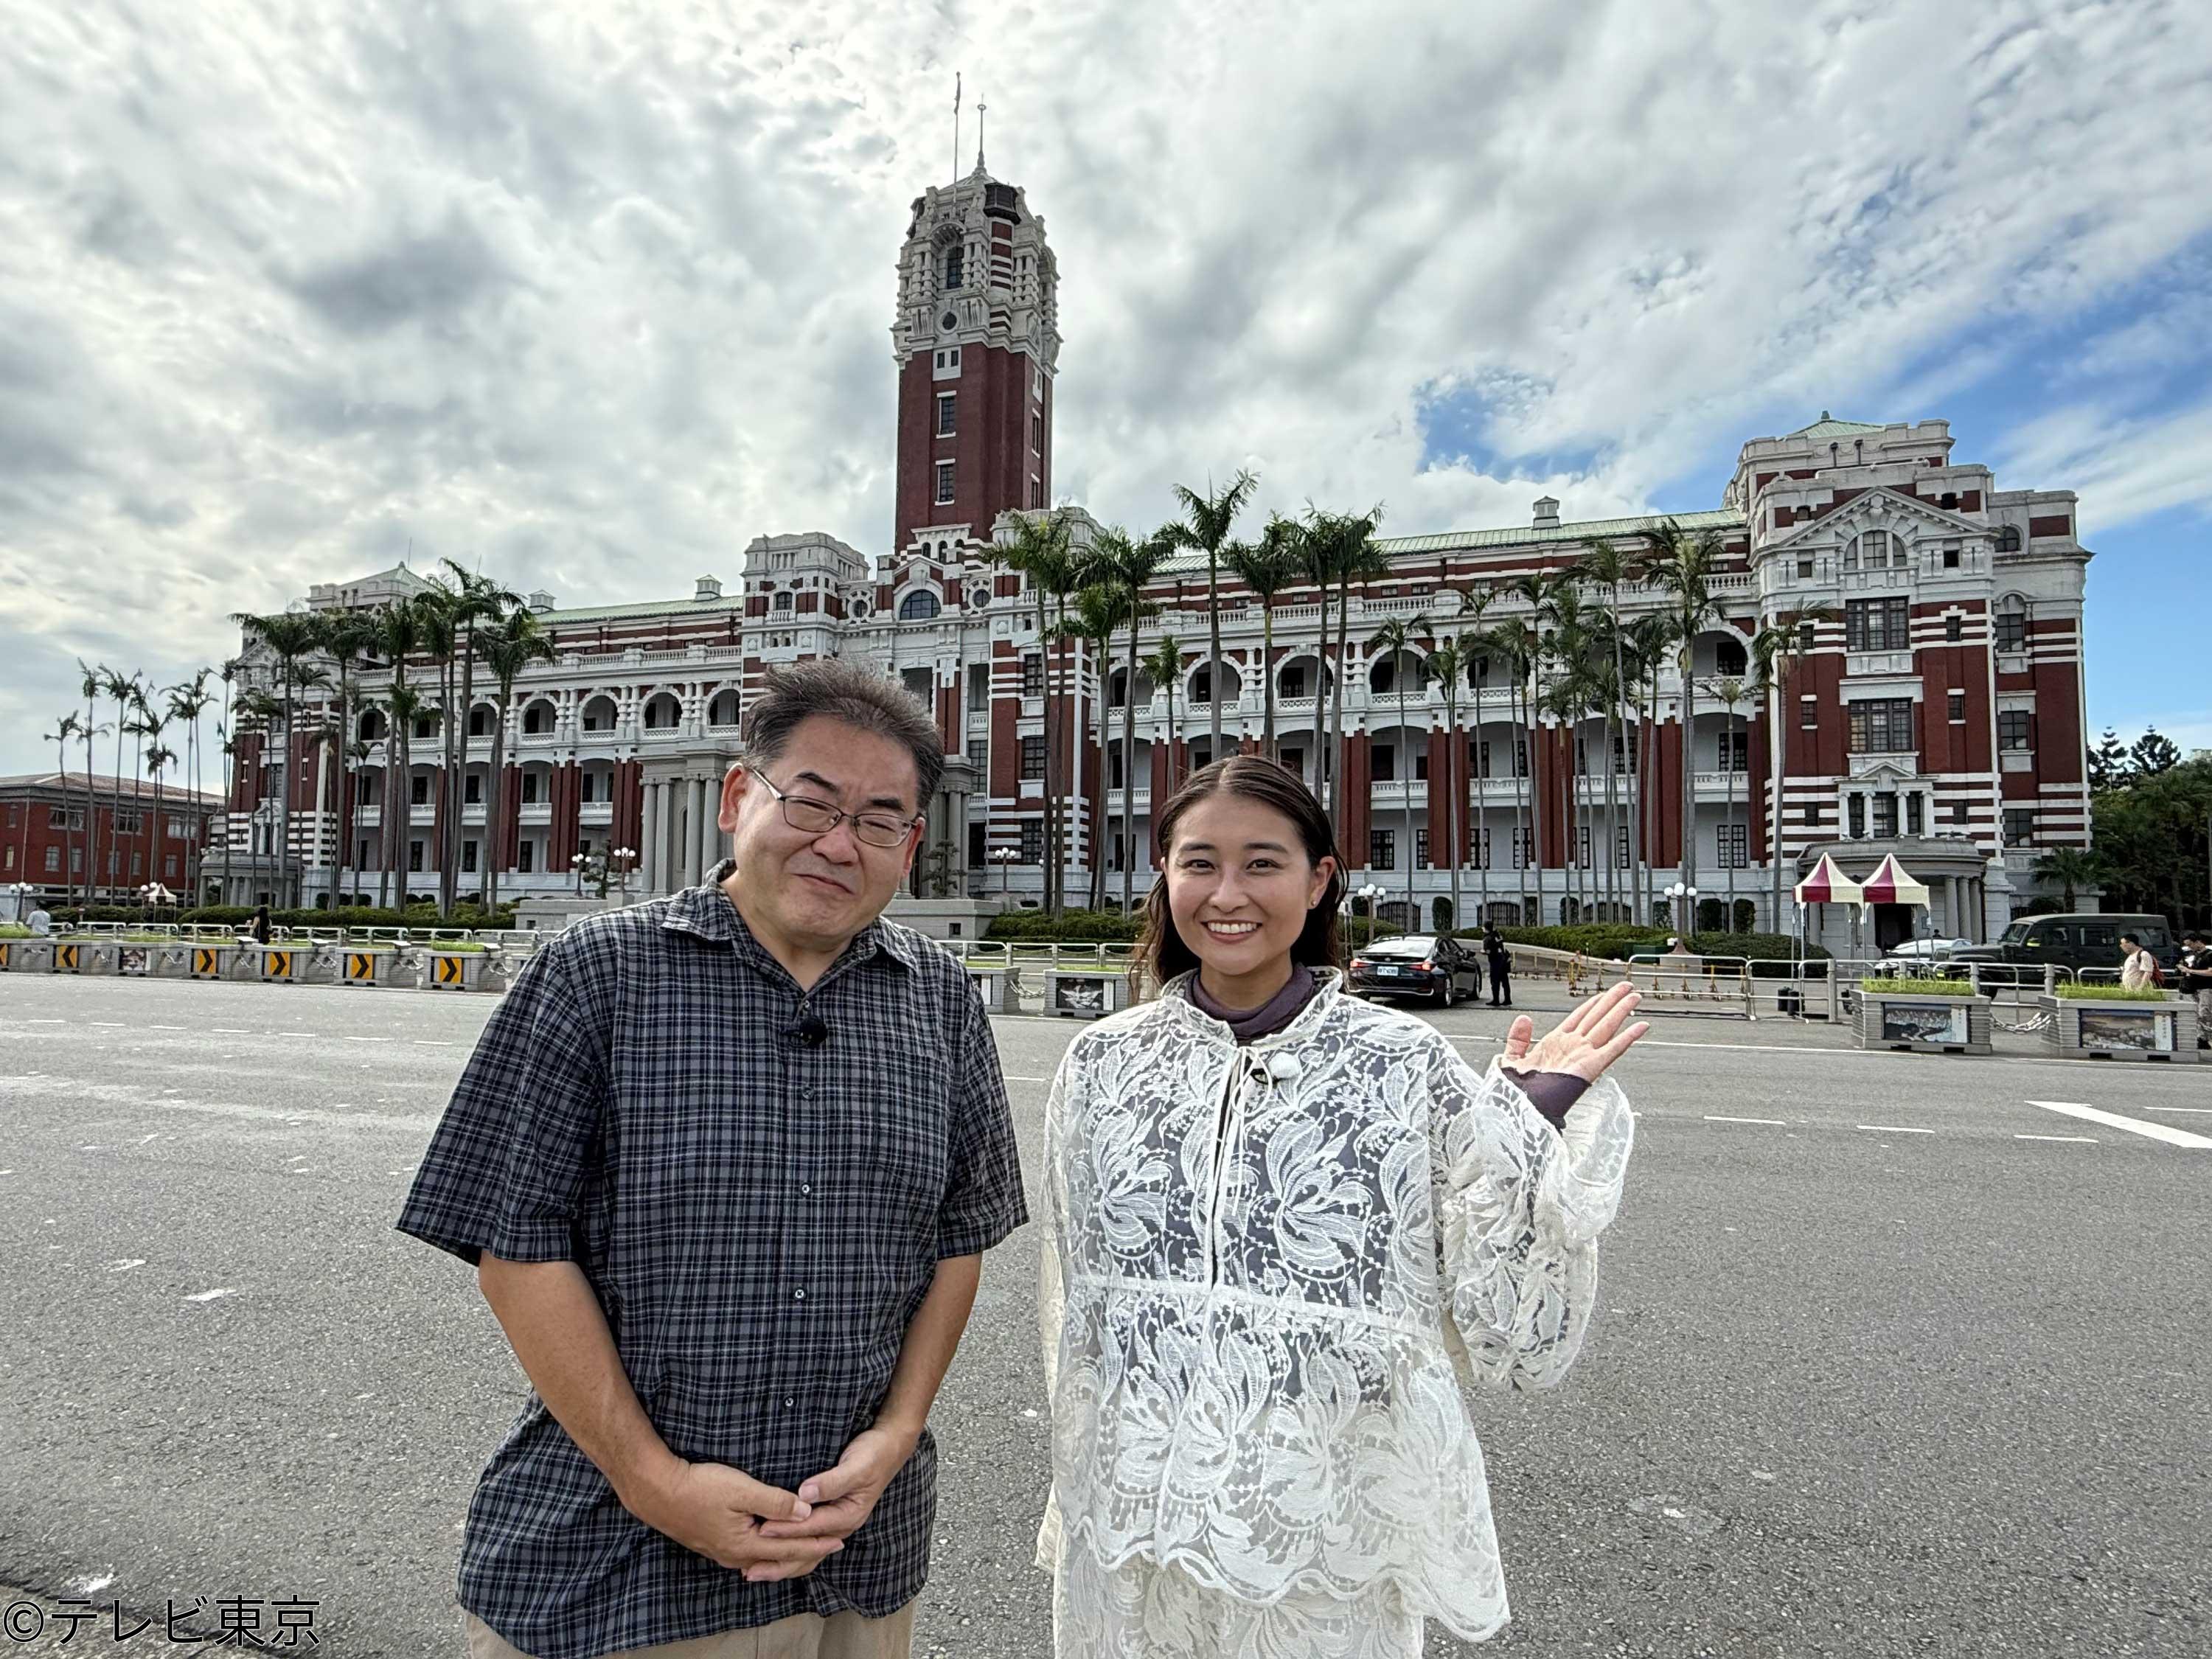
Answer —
(1271, 1276)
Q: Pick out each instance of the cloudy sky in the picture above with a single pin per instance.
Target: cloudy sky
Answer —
(593, 294)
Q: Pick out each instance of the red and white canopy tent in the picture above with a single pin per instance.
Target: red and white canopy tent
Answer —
(1891, 885)
(1829, 885)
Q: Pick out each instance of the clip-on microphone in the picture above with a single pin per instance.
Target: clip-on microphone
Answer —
(811, 1032)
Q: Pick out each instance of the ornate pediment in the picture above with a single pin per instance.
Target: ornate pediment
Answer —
(1882, 508)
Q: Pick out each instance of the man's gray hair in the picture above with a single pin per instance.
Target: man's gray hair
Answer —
(851, 695)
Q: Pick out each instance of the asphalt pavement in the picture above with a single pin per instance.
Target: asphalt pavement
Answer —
(1894, 1355)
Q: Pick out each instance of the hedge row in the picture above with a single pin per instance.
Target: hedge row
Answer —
(1619, 939)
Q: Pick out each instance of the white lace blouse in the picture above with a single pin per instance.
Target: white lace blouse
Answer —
(1272, 1275)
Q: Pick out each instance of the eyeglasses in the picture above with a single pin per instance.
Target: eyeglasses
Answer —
(819, 817)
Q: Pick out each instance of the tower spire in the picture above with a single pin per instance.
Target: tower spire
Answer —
(956, 124)
(980, 107)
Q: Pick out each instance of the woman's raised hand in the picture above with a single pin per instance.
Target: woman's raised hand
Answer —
(1583, 1044)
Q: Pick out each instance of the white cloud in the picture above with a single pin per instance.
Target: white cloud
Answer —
(596, 298)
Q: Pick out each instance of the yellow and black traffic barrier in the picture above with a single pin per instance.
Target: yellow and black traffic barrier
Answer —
(66, 957)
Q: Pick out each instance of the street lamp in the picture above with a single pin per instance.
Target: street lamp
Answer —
(1004, 857)
(1686, 899)
(624, 857)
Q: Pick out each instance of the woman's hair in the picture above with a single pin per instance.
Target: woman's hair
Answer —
(1161, 952)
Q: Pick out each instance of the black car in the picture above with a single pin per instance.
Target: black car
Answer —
(2075, 942)
(1425, 965)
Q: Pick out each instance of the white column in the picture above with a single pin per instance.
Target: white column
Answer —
(710, 832)
(692, 794)
(647, 846)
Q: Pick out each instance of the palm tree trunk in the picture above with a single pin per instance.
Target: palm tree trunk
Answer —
(1454, 801)
(1129, 762)
(1213, 662)
(494, 828)
(1337, 778)
(1778, 746)
(1689, 789)
(1405, 742)
(1097, 829)
(1266, 680)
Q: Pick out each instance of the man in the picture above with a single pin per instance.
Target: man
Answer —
(726, 1164)
(2138, 968)
(40, 921)
(2197, 980)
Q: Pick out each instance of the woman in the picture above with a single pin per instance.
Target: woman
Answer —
(1501, 966)
(1285, 1231)
(256, 929)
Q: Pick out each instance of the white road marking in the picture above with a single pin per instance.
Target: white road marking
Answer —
(86, 1586)
(168, 1027)
(1894, 1129)
(2205, 1111)
(350, 1038)
(2165, 1132)
(421, 1043)
(209, 1296)
(126, 1265)
(45, 1022)
(109, 1025)
(296, 1033)
(229, 1031)
(1011, 1077)
(2091, 1139)
(1778, 1123)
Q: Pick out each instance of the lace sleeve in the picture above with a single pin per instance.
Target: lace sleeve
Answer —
(1052, 1287)
(1519, 1206)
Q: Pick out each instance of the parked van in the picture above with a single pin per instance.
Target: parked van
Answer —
(2070, 942)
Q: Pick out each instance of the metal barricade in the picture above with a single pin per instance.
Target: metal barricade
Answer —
(1699, 984)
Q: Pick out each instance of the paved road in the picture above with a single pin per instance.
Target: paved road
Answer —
(1893, 1360)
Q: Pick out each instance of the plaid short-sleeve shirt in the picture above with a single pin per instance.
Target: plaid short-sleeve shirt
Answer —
(759, 1183)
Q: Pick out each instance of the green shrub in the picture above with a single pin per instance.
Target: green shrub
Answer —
(14, 930)
(417, 915)
(1069, 927)
(1927, 988)
(1770, 954)
(2109, 992)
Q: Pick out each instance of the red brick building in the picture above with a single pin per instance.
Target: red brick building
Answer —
(132, 840)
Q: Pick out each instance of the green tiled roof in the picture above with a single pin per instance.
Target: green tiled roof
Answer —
(646, 608)
(1519, 536)
(1828, 426)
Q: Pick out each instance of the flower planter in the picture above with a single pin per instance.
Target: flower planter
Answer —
(170, 961)
(2121, 1028)
(85, 956)
(213, 960)
(1087, 996)
(1924, 1022)
(1001, 988)
(28, 955)
(272, 964)
(136, 960)
(367, 967)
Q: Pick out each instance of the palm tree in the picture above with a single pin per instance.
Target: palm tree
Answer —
(2066, 868)
(403, 705)
(1401, 636)
(1683, 565)
(1604, 566)
(1164, 665)
(146, 727)
(1097, 613)
(1730, 692)
(118, 689)
(344, 636)
(1650, 638)
(1128, 566)
(1040, 552)
(91, 881)
(255, 704)
(1447, 662)
(1267, 567)
(399, 626)
(1339, 551)
(290, 636)
(187, 702)
(1207, 520)
(158, 757)
(475, 601)
(1774, 650)
(92, 678)
(64, 728)
(515, 642)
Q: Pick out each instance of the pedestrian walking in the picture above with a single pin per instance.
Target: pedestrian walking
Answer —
(2196, 981)
(41, 923)
(1501, 966)
(257, 928)
(726, 1164)
(2139, 969)
(1285, 1232)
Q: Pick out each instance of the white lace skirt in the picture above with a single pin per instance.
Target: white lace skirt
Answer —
(1142, 1610)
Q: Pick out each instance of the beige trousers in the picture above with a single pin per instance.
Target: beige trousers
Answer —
(803, 1636)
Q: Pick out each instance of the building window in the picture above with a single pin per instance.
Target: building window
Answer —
(1876, 549)
(1383, 762)
(1955, 628)
(1036, 433)
(1524, 849)
(919, 605)
(1950, 558)
(1477, 851)
(53, 860)
(1421, 849)
(1037, 491)
(414, 855)
(1032, 757)
(472, 791)
(2019, 826)
(1736, 751)
(779, 601)
(1808, 714)
(952, 268)
(1381, 849)
(2009, 540)
(945, 401)
(1877, 624)
(530, 788)
(1033, 675)
(1882, 726)
(1956, 703)
(1809, 815)
(1520, 757)
(1957, 812)
(2012, 630)
(979, 688)
(1735, 846)
(1620, 848)
(1032, 851)
(944, 483)
(1855, 815)
(1915, 808)
(2012, 725)
(1807, 633)
(469, 858)
(1805, 568)
(1729, 657)
(1583, 847)
(523, 852)
(128, 824)
(418, 789)
(1885, 814)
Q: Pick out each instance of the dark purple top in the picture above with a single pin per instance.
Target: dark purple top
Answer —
(1550, 1092)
